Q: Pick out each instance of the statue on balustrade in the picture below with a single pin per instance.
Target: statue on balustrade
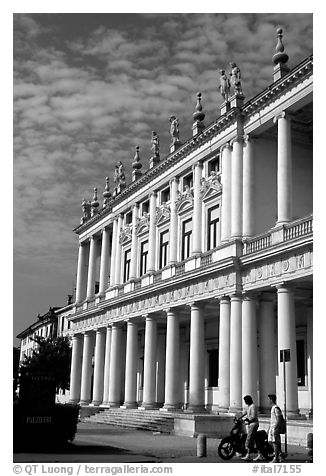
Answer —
(225, 86)
(174, 130)
(236, 79)
(155, 144)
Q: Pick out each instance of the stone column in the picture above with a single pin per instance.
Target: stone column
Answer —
(226, 194)
(224, 354)
(197, 210)
(118, 253)
(106, 377)
(237, 188)
(152, 233)
(99, 367)
(236, 354)
(113, 252)
(284, 168)
(86, 378)
(249, 347)
(160, 367)
(248, 188)
(131, 366)
(92, 267)
(149, 388)
(197, 360)
(76, 368)
(310, 357)
(173, 222)
(173, 381)
(134, 242)
(267, 370)
(115, 366)
(105, 260)
(81, 282)
(287, 340)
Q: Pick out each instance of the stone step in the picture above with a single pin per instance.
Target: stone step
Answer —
(150, 420)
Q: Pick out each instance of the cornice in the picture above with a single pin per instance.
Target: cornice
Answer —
(271, 93)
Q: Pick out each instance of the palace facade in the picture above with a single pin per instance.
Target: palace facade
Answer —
(193, 279)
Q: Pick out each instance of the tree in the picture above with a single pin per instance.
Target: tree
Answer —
(52, 356)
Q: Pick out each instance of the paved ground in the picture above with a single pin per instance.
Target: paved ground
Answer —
(101, 443)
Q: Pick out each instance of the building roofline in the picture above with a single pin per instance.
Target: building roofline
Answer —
(250, 107)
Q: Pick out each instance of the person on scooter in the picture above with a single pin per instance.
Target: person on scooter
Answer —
(273, 433)
(251, 420)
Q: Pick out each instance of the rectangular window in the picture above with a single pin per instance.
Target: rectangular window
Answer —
(301, 363)
(213, 222)
(187, 182)
(128, 218)
(126, 269)
(145, 207)
(213, 368)
(164, 246)
(214, 165)
(165, 195)
(186, 239)
(143, 257)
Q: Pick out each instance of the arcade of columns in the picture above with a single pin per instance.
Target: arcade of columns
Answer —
(238, 369)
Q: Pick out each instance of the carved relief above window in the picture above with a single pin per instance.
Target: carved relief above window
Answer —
(210, 184)
(125, 233)
(142, 223)
(184, 197)
(162, 213)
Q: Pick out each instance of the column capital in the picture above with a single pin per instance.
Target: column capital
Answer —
(152, 194)
(199, 163)
(247, 138)
(226, 146)
(249, 296)
(236, 297)
(238, 139)
(282, 115)
(78, 336)
(100, 330)
(267, 297)
(285, 287)
(224, 298)
(195, 304)
(174, 179)
(170, 310)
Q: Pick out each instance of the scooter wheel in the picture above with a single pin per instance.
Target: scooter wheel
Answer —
(267, 451)
(226, 448)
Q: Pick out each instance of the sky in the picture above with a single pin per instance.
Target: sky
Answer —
(87, 89)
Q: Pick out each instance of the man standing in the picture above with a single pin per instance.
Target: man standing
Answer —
(274, 430)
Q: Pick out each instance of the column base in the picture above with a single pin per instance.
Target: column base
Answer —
(294, 415)
(127, 405)
(195, 409)
(223, 409)
(149, 406)
(85, 402)
(264, 410)
(235, 410)
(75, 401)
(96, 403)
(171, 407)
(114, 404)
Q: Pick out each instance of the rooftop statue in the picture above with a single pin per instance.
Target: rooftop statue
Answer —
(174, 129)
(236, 79)
(119, 173)
(225, 86)
(155, 144)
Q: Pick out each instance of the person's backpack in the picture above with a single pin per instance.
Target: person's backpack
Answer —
(282, 423)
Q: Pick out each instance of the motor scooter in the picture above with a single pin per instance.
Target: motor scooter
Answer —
(235, 443)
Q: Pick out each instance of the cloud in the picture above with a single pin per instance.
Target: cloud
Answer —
(87, 91)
